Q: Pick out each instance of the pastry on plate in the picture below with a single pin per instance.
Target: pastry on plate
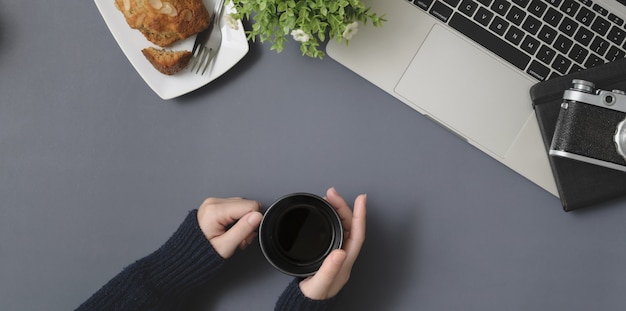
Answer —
(164, 22)
(167, 62)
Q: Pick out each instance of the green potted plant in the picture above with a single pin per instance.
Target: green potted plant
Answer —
(306, 21)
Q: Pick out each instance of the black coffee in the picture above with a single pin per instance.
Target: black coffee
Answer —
(304, 235)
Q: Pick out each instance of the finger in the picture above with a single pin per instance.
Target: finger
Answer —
(322, 285)
(341, 206)
(218, 201)
(227, 243)
(216, 214)
(230, 211)
(213, 201)
(357, 234)
(247, 241)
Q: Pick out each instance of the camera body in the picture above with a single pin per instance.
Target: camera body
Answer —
(591, 126)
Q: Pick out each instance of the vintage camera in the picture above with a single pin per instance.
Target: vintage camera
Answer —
(591, 126)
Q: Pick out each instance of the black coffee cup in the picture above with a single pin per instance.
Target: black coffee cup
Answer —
(298, 231)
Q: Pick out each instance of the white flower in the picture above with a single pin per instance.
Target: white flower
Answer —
(300, 35)
(351, 30)
(232, 22)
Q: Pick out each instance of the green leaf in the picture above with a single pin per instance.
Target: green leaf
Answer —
(273, 20)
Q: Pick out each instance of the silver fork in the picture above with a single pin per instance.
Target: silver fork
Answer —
(208, 42)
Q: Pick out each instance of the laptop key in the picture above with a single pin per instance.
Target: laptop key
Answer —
(537, 8)
(616, 35)
(575, 68)
(423, 4)
(530, 45)
(593, 60)
(522, 3)
(501, 6)
(568, 26)
(614, 54)
(585, 16)
(547, 34)
(600, 25)
(452, 3)
(600, 10)
(570, 7)
(499, 26)
(562, 44)
(554, 3)
(583, 36)
(561, 64)
(514, 35)
(483, 16)
(552, 17)
(516, 16)
(531, 25)
(489, 41)
(539, 71)
(615, 19)
(599, 45)
(468, 7)
(546, 54)
(441, 11)
(578, 53)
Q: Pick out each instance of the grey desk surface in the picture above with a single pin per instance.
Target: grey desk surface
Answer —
(97, 171)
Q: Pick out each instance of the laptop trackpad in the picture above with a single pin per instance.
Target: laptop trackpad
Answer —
(467, 90)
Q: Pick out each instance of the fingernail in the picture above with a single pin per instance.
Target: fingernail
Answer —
(339, 257)
(254, 219)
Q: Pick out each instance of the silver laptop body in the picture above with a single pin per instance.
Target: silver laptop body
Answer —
(423, 57)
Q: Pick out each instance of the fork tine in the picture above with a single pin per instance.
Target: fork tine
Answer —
(209, 60)
(207, 43)
(196, 44)
(201, 38)
(203, 58)
(198, 60)
(194, 60)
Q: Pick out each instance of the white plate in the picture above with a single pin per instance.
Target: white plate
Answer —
(131, 41)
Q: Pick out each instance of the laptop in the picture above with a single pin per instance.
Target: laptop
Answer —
(469, 64)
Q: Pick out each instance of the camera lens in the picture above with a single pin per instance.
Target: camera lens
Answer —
(620, 138)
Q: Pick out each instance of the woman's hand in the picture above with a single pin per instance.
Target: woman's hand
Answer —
(335, 271)
(229, 223)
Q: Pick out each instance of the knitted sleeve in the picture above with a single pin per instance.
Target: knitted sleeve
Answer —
(293, 299)
(161, 280)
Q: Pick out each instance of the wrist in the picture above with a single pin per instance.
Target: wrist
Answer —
(186, 260)
(293, 299)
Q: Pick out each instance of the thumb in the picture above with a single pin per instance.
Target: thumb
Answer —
(227, 243)
(320, 286)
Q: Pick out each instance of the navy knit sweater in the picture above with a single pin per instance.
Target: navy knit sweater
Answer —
(165, 279)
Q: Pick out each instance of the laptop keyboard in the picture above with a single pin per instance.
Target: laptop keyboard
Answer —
(544, 38)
